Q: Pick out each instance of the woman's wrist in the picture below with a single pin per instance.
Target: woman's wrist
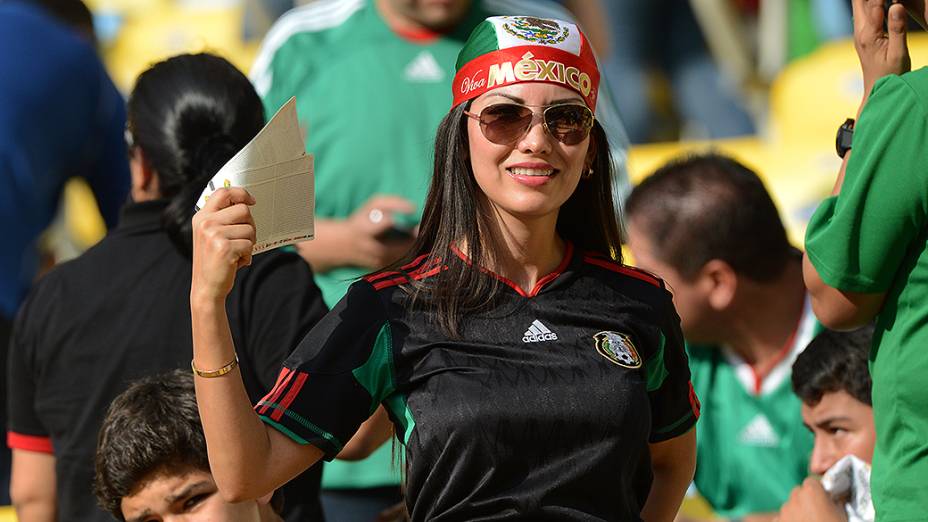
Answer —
(205, 302)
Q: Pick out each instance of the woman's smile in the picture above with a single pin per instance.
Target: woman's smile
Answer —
(532, 174)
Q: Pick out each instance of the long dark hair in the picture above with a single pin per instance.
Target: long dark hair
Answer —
(190, 114)
(456, 211)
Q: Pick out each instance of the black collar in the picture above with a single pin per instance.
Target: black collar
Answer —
(141, 217)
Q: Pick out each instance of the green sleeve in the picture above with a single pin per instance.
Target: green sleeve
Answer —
(858, 239)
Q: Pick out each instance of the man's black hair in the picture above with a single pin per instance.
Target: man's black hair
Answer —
(707, 206)
(151, 428)
(833, 362)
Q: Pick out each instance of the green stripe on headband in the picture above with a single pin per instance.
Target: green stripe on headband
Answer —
(482, 41)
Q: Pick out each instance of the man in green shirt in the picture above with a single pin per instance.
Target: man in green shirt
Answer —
(373, 80)
(867, 254)
(707, 225)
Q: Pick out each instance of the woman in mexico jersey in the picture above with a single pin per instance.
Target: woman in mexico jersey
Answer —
(528, 373)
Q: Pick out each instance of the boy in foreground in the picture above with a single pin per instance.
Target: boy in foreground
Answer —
(832, 380)
(151, 462)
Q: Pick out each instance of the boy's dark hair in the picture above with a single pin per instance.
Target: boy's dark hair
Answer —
(707, 206)
(151, 428)
(834, 361)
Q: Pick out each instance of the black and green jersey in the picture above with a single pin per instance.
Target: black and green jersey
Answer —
(542, 408)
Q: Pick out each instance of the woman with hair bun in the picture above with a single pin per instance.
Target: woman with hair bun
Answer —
(529, 374)
(94, 325)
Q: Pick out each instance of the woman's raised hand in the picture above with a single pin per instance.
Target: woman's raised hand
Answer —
(223, 237)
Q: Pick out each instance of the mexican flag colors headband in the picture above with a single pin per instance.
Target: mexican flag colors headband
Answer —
(504, 50)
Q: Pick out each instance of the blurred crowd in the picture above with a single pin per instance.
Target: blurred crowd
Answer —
(802, 313)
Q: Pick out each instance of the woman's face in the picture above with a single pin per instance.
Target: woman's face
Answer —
(532, 177)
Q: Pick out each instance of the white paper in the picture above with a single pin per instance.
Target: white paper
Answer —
(848, 481)
(276, 170)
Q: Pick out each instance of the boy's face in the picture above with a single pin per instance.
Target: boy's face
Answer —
(191, 496)
(842, 425)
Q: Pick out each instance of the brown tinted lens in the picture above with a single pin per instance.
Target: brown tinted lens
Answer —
(570, 124)
(505, 123)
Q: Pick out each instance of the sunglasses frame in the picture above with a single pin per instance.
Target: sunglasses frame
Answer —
(484, 125)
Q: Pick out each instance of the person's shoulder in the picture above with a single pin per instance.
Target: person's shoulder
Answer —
(603, 266)
(309, 25)
(47, 44)
(917, 78)
(894, 89)
(315, 17)
(306, 33)
(386, 282)
(48, 293)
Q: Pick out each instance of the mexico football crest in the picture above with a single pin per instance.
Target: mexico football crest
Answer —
(538, 30)
(618, 348)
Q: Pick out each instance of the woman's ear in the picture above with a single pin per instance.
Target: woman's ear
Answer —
(591, 150)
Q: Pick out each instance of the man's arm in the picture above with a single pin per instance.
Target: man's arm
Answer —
(880, 54)
(838, 309)
(32, 486)
(673, 463)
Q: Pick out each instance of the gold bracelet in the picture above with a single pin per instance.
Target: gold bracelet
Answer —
(215, 373)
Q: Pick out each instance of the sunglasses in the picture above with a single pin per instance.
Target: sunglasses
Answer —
(506, 123)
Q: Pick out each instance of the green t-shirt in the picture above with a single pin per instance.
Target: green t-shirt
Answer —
(370, 102)
(752, 447)
(872, 238)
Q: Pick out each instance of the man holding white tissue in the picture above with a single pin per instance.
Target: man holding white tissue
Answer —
(832, 379)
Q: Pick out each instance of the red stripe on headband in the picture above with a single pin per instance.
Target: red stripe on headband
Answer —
(527, 63)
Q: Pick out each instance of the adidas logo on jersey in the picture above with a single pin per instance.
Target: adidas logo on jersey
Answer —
(424, 68)
(537, 333)
(759, 432)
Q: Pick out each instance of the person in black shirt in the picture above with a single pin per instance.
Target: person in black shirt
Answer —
(119, 312)
(527, 372)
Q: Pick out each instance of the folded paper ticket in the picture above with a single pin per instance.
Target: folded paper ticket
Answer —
(276, 170)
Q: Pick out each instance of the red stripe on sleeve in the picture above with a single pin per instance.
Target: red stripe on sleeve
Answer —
(280, 377)
(291, 395)
(285, 375)
(694, 401)
(622, 269)
(29, 442)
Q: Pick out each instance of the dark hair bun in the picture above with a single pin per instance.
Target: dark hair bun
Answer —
(190, 114)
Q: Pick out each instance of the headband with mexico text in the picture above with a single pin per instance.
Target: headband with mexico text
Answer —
(504, 50)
